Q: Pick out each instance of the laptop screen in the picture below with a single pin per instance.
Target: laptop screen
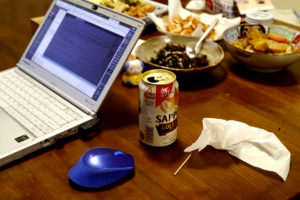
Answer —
(80, 47)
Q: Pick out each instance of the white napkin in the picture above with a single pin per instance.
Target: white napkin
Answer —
(175, 8)
(255, 146)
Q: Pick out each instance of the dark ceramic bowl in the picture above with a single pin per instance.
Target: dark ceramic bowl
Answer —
(152, 46)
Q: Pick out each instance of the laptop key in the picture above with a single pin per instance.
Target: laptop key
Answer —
(44, 127)
(36, 131)
(3, 104)
(52, 124)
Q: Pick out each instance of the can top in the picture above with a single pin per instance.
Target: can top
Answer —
(158, 77)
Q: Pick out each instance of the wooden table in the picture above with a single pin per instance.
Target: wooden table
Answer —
(268, 101)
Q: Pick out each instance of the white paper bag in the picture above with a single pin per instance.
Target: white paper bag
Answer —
(175, 8)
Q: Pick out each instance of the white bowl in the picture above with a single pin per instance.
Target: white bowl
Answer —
(262, 62)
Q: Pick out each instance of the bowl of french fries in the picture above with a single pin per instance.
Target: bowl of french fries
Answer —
(191, 26)
(263, 48)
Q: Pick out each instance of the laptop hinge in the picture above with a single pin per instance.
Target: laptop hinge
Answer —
(56, 91)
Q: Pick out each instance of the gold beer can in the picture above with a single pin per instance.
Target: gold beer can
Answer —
(158, 105)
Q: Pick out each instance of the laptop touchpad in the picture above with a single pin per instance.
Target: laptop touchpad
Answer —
(12, 134)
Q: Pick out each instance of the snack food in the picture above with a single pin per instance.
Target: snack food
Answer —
(255, 40)
(187, 26)
(139, 10)
(134, 8)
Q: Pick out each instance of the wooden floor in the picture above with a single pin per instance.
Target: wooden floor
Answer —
(15, 29)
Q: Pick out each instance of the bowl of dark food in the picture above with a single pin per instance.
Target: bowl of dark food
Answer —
(263, 48)
(135, 8)
(170, 52)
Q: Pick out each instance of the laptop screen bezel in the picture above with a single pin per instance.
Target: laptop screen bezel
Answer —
(66, 90)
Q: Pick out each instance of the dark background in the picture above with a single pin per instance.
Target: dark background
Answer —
(15, 29)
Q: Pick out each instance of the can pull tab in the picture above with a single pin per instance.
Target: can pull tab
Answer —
(152, 79)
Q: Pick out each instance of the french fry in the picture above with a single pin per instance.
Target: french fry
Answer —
(186, 26)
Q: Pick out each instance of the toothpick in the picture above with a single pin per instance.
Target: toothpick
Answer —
(182, 164)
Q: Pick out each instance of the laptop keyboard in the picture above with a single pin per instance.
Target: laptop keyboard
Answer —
(32, 107)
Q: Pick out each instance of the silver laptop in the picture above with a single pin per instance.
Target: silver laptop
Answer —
(63, 76)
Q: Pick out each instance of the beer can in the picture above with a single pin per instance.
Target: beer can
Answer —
(158, 105)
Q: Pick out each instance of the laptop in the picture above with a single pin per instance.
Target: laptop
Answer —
(62, 78)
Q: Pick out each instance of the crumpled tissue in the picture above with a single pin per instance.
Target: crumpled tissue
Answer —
(255, 146)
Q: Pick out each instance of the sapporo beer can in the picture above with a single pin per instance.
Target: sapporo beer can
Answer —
(158, 105)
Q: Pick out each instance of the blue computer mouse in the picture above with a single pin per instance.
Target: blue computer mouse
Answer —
(99, 167)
